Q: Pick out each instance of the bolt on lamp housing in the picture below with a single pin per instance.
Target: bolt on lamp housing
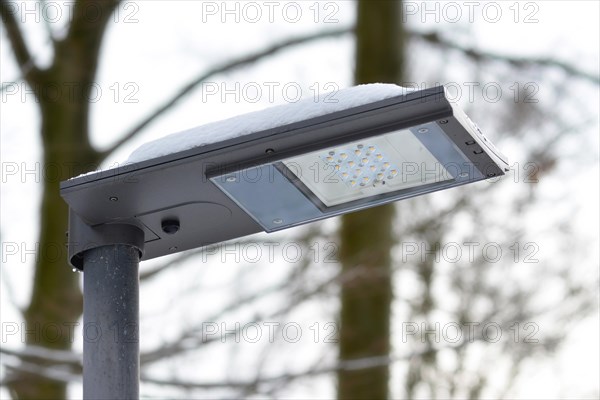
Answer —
(352, 158)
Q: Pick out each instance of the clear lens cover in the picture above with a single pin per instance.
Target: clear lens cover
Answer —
(360, 174)
(390, 162)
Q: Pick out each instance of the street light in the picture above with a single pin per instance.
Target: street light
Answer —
(264, 171)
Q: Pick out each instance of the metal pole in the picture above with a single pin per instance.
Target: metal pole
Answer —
(111, 348)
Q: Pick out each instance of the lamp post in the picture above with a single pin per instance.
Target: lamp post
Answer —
(265, 171)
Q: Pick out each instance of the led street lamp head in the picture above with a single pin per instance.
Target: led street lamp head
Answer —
(282, 167)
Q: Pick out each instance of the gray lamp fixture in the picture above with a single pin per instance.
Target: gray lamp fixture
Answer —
(360, 157)
(361, 154)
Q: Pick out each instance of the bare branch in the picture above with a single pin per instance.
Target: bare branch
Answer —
(478, 55)
(185, 256)
(46, 355)
(56, 365)
(219, 69)
(53, 373)
(145, 275)
(15, 36)
(363, 363)
(193, 338)
(346, 365)
(190, 338)
(178, 260)
(433, 38)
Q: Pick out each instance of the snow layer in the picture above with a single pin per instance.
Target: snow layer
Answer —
(272, 117)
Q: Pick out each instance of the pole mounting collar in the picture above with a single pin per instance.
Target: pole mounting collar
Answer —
(83, 237)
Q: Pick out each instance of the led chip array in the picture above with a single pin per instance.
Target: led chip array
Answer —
(361, 165)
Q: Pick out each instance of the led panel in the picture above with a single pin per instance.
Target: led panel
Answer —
(386, 163)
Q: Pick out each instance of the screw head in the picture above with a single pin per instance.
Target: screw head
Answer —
(463, 174)
(423, 130)
(444, 121)
(113, 198)
(230, 179)
(278, 221)
(269, 151)
(173, 248)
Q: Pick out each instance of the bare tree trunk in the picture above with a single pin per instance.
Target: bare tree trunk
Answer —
(366, 237)
(63, 92)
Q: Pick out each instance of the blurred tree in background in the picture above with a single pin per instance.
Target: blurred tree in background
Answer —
(533, 294)
(56, 296)
(367, 237)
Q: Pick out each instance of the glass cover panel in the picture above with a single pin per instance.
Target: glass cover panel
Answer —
(386, 163)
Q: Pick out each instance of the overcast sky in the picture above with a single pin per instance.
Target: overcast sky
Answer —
(153, 48)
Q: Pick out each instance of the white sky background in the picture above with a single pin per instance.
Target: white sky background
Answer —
(164, 45)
